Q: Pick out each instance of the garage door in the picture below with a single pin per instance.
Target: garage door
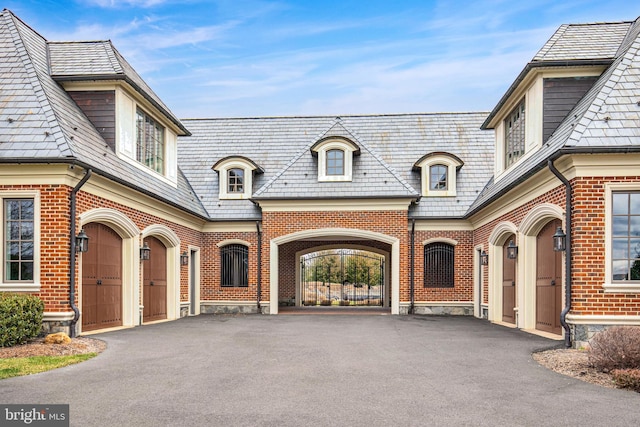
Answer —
(101, 279)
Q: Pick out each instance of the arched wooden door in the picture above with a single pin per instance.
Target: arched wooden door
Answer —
(101, 278)
(548, 281)
(154, 290)
(508, 284)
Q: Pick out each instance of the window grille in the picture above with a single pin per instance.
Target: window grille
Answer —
(438, 177)
(234, 260)
(149, 142)
(19, 243)
(625, 236)
(439, 265)
(335, 162)
(514, 135)
(235, 178)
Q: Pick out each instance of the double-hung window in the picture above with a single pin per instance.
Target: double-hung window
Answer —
(335, 162)
(19, 239)
(149, 142)
(438, 177)
(235, 181)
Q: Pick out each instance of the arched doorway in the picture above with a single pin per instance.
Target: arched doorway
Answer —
(154, 289)
(548, 280)
(508, 283)
(102, 278)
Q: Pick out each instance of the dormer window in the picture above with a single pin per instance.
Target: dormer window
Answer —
(335, 158)
(438, 174)
(149, 142)
(236, 177)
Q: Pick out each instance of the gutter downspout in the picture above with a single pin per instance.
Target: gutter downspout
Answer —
(412, 268)
(73, 255)
(259, 291)
(567, 264)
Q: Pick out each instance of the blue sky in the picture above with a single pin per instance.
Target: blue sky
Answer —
(247, 58)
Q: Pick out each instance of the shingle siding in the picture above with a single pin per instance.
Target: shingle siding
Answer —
(100, 108)
(560, 95)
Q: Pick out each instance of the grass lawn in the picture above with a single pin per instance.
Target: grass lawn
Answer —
(14, 367)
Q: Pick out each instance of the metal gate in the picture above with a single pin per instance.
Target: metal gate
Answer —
(344, 277)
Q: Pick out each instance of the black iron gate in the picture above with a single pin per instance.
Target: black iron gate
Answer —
(342, 277)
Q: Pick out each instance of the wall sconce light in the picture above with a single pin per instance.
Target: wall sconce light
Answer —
(512, 250)
(559, 240)
(184, 258)
(82, 241)
(145, 252)
(484, 258)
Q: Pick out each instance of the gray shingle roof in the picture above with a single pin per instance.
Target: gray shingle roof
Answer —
(100, 60)
(40, 122)
(606, 119)
(390, 145)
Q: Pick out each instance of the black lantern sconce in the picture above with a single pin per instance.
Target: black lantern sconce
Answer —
(184, 258)
(145, 252)
(82, 241)
(559, 240)
(484, 258)
(512, 250)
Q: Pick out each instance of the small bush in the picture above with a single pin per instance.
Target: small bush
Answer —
(627, 378)
(616, 348)
(20, 318)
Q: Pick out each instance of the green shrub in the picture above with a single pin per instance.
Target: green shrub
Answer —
(627, 378)
(20, 318)
(616, 348)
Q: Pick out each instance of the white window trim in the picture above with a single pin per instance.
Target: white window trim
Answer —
(23, 286)
(452, 167)
(322, 150)
(609, 286)
(234, 163)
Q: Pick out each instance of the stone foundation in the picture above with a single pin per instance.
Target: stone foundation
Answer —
(230, 309)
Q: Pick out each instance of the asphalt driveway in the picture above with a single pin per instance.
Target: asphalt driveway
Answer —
(304, 370)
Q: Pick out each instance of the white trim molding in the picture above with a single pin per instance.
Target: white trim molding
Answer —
(605, 319)
(232, 242)
(440, 240)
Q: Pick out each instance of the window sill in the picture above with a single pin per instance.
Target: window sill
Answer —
(622, 288)
(19, 287)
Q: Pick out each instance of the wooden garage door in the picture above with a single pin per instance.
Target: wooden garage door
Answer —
(508, 284)
(155, 282)
(548, 281)
(102, 279)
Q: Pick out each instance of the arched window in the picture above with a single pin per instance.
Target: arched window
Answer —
(335, 162)
(234, 266)
(438, 177)
(439, 264)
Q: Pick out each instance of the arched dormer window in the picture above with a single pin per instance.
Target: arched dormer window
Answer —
(335, 158)
(236, 177)
(438, 173)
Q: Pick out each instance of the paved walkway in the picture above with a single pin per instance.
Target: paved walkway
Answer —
(322, 370)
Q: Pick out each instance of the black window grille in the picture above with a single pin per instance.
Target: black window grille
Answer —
(439, 264)
(625, 236)
(335, 162)
(234, 269)
(438, 178)
(514, 135)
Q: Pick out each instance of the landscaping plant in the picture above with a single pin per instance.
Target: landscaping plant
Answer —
(616, 348)
(20, 318)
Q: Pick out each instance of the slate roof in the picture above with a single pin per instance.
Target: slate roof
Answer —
(39, 122)
(607, 119)
(100, 60)
(390, 145)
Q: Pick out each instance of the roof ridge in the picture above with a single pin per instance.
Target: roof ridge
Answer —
(115, 63)
(41, 95)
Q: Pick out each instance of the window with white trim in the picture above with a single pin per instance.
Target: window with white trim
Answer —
(235, 177)
(335, 159)
(439, 265)
(234, 260)
(438, 172)
(625, 236)
(20, 241)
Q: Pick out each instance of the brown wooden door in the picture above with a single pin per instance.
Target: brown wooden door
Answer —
(155, 282)
(508, 284)
(101, 279)
(548, 281)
